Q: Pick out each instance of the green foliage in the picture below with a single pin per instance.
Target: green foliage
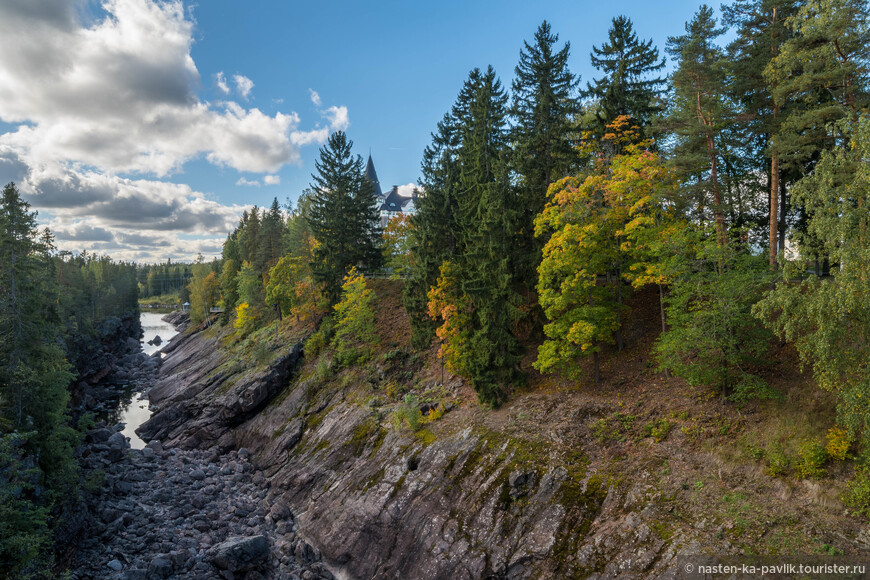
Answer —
(408, 413)
(544, 103)
(25, 539)
(204, 291)
(354, 322)
(827, 319)
(857, 495)
(658, 429)
(713, 338)
(778, 462)
(616, 427)
(811, 460)
(342, 216)
(626, 89)
(291, 287)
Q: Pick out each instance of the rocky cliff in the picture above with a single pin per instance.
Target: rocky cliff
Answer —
(565, 481)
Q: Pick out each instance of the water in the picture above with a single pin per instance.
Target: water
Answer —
(133, 410)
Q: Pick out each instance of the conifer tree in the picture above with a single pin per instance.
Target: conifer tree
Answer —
(343, 216)
(627, 87)
(701, 111)
(823, 68)
(761, 33)
(434, 227)
(544, 104)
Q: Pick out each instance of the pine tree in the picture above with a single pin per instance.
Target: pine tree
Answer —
(701, 111)
(343, 216)
(822, 68)
(544, 104)
(626, 87)
(760, 36)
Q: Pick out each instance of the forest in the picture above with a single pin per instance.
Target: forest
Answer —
(735, 186)
(55, 309)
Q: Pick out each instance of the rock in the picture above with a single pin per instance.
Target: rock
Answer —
(118, 441)
(156, 341)
(115, 565)
(160, 567)
(100, 435)
(148, 452)
(197, 475)
(239, 554)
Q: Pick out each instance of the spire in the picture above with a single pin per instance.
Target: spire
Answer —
(372, 176)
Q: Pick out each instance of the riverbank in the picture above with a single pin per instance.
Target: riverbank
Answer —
(175, 513)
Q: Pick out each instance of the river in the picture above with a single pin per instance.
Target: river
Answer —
(133, 410)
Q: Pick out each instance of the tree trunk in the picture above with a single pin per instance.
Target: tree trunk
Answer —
(597, 364)
(619, 343)
(774, 203)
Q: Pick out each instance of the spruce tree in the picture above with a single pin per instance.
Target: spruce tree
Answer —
(343, 216)
(627, 87)
(544, 104)
(433, 228)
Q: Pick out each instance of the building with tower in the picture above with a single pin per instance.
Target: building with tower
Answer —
(392, 203)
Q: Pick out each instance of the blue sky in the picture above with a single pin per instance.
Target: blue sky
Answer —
(141, 129)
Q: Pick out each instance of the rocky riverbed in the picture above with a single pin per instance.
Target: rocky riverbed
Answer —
(174, 513)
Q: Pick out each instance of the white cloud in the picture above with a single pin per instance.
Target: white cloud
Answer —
(408, 189)
(243, 85)
(272, 180)
(337, 117)
(247, 183)
(315, 98)
(221, 82)
(119, 95)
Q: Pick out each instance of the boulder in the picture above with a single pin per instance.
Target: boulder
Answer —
(239, 554)
(156, 341)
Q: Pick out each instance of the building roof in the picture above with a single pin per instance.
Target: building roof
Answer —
(393, 201)
(372, 176)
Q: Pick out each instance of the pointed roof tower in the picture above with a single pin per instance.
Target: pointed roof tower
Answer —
(372, 176)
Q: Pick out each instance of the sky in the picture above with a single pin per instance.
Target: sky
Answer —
(141, 129)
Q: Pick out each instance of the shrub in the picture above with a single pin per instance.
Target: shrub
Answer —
(355, 321)
(811, 460)
(838, 443)
(857, 495)
(658, 430)
(777, 461)
(408, 412)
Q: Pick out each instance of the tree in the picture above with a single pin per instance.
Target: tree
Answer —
(828, 319)
(760, 36)
(713, 338)
(701, 110)
(354, 321)
(544, 104)
(435, 226)
(290, 287)
(625, 88)
(397, 240)
(606, 226)
(823, 68)
(343, 216)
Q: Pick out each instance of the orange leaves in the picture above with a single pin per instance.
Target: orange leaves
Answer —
(447, 304)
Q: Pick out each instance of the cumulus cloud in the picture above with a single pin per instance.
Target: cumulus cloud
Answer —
(247, 182)
(408, 189)
(120, 95)
(221, 82)
(315, 98)
(272, 180)
(243, 85)
(337, 117)
(91, 102)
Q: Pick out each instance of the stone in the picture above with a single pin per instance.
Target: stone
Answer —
(115, 565)
(117, 440)
(160, 567)
(148, 452)
(156, 341)
(197, 475)
(239, 554)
